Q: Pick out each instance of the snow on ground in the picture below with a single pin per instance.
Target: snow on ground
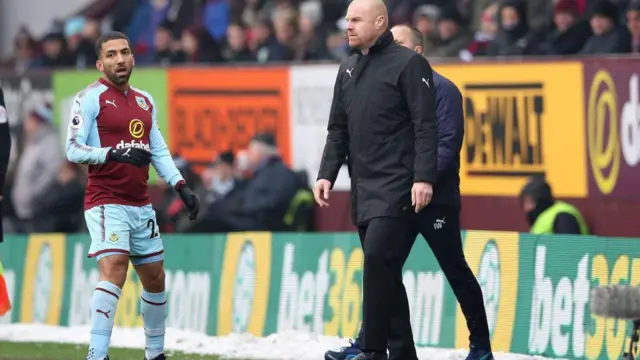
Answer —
(282, 346)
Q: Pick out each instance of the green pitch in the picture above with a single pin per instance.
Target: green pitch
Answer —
(57, 351)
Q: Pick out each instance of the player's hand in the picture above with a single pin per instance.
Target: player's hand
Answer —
(190, 200)
(421, 194)
(133, 156)
(321, 192)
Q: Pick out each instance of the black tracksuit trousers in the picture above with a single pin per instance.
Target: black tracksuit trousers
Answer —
(386, 243)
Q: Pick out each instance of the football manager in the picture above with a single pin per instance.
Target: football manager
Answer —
(383, 119)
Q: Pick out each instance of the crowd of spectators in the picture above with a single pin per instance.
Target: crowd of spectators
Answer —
(46, 192)
(221, 31)
(250, 191)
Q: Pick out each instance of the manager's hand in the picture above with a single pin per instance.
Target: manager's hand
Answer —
(321, 192)
(421, 194)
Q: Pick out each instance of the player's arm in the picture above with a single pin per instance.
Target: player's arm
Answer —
(336, 147)
(417, 85)
(163, 163)
(82, 123)
(161, 156)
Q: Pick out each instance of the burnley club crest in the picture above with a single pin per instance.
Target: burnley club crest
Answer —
(142, 102)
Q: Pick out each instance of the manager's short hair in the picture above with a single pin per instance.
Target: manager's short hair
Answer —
(416, 36)
(112, 35)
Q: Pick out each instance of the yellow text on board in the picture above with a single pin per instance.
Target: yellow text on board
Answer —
(521, 120)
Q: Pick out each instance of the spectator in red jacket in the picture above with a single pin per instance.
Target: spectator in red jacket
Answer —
(484, 36)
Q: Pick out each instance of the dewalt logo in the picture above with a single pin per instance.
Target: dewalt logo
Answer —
(136, 128)
(529, 122)
(503, 129)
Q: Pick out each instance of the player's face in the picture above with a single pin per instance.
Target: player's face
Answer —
(362, 25)
(116, 61)
(402, 37)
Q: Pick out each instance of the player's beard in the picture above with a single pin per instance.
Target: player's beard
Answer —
(119, 79)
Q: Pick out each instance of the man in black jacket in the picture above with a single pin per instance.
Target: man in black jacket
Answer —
(5, 148)
(383, 118)
(439, 223)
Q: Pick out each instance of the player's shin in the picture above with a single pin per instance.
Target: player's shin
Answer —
(103, 313)
(153, 308)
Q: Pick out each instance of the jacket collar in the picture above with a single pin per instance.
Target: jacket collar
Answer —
(382, 42)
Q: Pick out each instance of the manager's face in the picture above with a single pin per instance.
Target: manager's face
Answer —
(363, 27)
(402, 36)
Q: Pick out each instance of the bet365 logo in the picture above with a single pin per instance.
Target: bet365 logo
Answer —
(243, 290)
(489, 279)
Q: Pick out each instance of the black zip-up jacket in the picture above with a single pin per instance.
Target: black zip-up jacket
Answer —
(383, 117)
(5, 142)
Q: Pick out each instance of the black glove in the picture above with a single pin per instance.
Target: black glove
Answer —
(189, 199)
(133, 156)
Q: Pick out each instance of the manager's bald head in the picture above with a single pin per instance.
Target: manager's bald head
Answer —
(366, 21)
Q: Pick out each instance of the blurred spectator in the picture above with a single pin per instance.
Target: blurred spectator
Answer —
(311, 41)
(61, 209)
(452, 34)
(216, 18)
(123, 13)
(566, 34)
(183, 14)
(262, 202)
(609, 37)
(222, 179)
(38, 167)
(24, 53)
(271, 187)
(285, 27)
(241, 165)
(55, 51)
(84, 44)
(633, 24)
(248, 10)
(163, 45)
(546, 215)
(196, 46)
(73, 32)
(224, 183)
(537, 11)
(236, 48)
(265, 45)
(425, 18)
(338, 43)
(484, 36)
(512, 30)
(332, 11)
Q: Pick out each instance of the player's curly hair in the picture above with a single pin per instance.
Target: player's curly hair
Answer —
(113, 35)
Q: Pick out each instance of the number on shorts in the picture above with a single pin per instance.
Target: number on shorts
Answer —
(154, 231)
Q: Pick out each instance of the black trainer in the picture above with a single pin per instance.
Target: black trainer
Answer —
(345, 353)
